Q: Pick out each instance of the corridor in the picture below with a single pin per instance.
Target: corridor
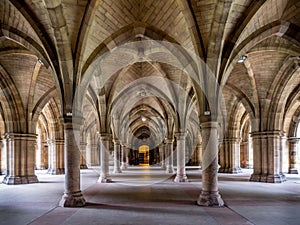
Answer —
(146, 195)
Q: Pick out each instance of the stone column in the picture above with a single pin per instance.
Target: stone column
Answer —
(267, 150)
(72, 196)
(124, 157)
(95, 154)
(117, 154)
(199, 154)
(3, 157)
(181, 173)
(104, 152)
(293, 146)
(20, 158)
(56, 157)
(233, 151)
(209, 194)
(83, 146)
(244, 154)
(169, 156)
(222, 157)
(162, 156)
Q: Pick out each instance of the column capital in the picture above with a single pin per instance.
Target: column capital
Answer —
(104, 136)
(293, 139)
(233, 139)
(72, 122)
(210, 124)
(20, 136)
(116, 142)
(180, 135)
(269, 133)
(169, 141)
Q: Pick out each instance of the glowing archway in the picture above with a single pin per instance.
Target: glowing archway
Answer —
(144, 155)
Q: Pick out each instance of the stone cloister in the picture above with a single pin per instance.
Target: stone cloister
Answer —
(169, 84)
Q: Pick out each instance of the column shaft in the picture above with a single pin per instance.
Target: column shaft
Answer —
(210, 195)
(267, 155)
(83, 147)
(20, 158)
(124, 157)
(293, 155)
(117, 148)
(181, 173)
(56, 157)
(104, 151)
(72, 196)
(162, 156)
(169, 156)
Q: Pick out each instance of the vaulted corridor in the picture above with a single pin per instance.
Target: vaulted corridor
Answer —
(144, 195)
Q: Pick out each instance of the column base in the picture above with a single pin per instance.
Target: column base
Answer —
(104, 179)
(293, 171)
(274, 178)
(124, 166)
(222, 170)
(210, 199)
(12, 180)
(118, 170)
(181, 179)
(170, 169)
(83, 166)
(72, 200)
(235, 170)
(57, 171)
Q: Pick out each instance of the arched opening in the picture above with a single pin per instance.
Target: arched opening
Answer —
(144, 155)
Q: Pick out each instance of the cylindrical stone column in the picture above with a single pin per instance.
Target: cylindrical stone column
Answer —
(169, 156)
(293, 146)
(72, 196)
(117, 148)
(83, 147)
(3, 157)
(20, 158)
(162, 156)
(181, 173)
(234, 155)
(210, 195)
(56, 157)
(124, 157)
(104, 152)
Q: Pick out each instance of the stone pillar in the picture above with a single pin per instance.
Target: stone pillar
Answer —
(124, 157)
(233, 155)
(209, 194)
(199, 154)
(72, 196)
(267, 150)
(20, 158)
(180, 173)
(3, 157)
(222, 157)
(162, 155)
(56, 157)
(117, 156)
(95, 154)
(104, 152)
(293, 147)
(244, 154)
(83, 146)
(169, 156)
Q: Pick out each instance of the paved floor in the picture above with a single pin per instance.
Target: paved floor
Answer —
(142, 195)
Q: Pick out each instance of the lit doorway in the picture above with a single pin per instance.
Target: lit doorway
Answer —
(144, 155)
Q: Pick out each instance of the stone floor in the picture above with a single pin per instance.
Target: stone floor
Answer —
(146, 195)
